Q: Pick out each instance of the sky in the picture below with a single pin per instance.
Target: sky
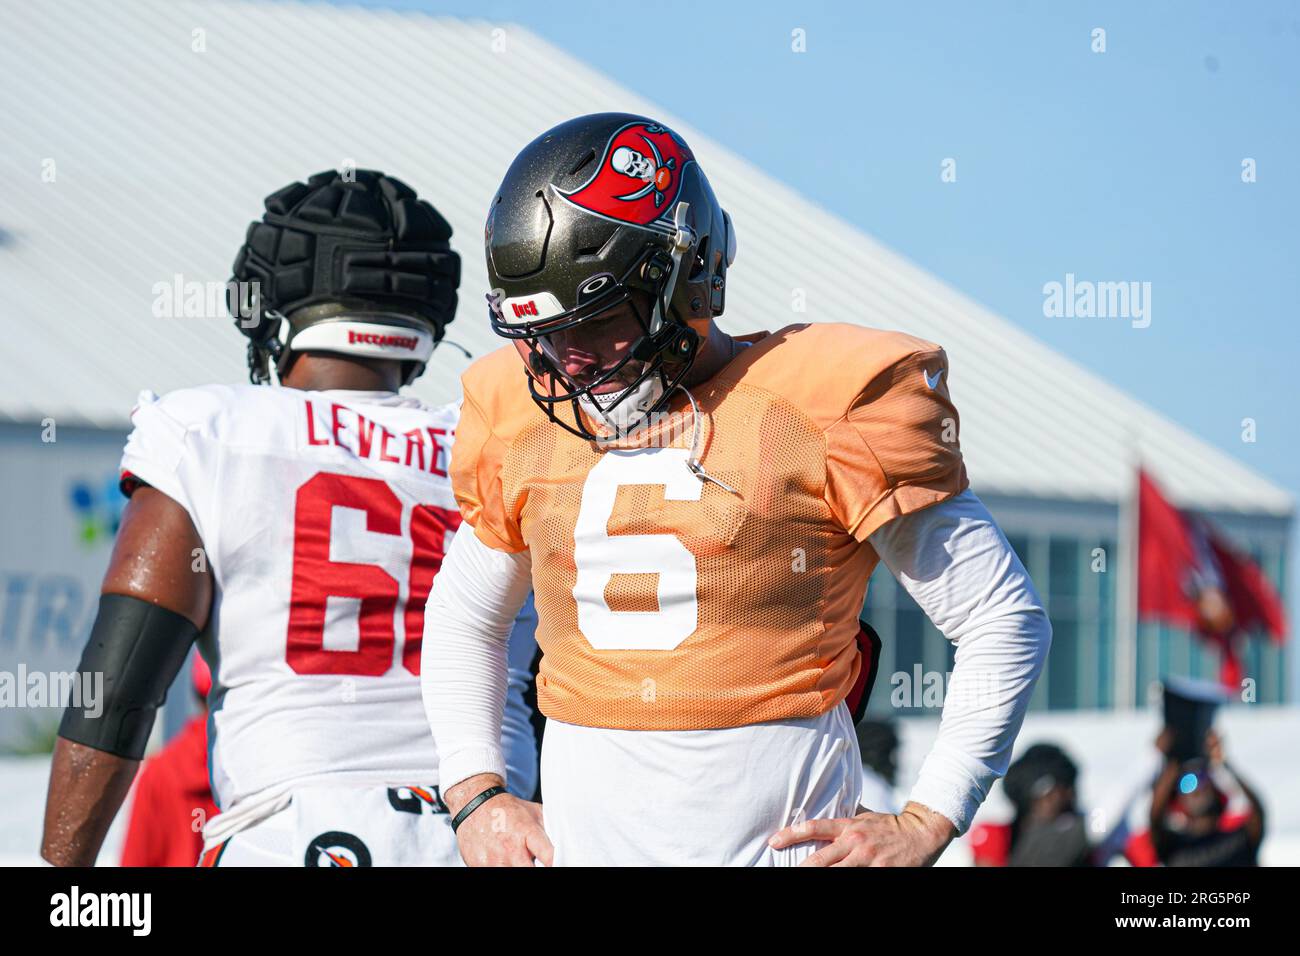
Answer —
(1124, 165)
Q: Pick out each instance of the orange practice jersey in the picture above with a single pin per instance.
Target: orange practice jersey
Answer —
(668, 603)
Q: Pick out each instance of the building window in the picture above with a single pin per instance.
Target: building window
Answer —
(1063, 589)
(1077, 578)
(1104, 574)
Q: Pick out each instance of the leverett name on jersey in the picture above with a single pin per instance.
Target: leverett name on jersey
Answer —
(324, 517)
(668, 603)
(425, 448)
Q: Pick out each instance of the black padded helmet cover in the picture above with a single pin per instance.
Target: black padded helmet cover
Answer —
(358, 238)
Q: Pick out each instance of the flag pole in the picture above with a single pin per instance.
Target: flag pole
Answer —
(1126, 591)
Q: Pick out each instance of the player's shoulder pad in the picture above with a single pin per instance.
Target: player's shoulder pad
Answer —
(210, 410)
(443, 413)
(189, 408)
(447, 412)
(825, 368)
(496, 386)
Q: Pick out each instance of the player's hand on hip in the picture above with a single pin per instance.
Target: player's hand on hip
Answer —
(503, 831)
(914, 837)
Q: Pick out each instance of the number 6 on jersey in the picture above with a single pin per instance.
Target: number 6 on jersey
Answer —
(599, 556)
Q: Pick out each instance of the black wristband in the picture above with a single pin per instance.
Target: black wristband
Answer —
(473, 805)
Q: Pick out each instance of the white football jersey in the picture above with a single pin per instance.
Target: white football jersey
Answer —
(324, 517)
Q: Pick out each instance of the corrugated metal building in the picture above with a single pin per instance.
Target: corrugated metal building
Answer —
(141, 137)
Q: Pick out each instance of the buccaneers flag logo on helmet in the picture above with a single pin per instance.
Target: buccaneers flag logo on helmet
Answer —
(639, 175)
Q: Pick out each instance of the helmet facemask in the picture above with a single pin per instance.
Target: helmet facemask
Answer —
(615, 359)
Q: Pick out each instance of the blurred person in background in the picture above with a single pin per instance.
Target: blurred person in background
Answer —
(878, 744)
(1190, 822)
(1047, 828)
(173, 798)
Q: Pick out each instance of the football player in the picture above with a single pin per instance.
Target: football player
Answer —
(295, 531)
(698, 514)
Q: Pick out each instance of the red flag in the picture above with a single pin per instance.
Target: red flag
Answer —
(1255, 603)
(1190, 577)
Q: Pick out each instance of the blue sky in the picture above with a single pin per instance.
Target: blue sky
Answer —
(1115, 166)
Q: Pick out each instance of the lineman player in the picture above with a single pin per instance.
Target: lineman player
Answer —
(297, 527)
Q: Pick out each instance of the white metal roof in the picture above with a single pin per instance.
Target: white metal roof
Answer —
(162, 155)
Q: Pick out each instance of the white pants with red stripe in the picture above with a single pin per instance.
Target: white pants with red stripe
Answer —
(341, 825)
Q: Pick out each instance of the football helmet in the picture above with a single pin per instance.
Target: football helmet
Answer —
(352, 263)
(607, 253)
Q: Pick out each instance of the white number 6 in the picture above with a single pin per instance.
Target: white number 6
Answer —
(598, 556)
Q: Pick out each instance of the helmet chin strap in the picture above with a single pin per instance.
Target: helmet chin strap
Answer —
(281, 357)
(684, 239)
(267, 357)
(646, 395)
(697, 448)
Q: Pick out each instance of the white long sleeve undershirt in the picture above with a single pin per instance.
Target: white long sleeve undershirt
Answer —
(464, 659)
(959, 568)
(951, 558)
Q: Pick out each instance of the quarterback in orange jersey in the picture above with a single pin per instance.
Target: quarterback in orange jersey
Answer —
(698, 515)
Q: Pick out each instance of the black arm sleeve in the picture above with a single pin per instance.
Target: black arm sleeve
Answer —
(135, 651)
